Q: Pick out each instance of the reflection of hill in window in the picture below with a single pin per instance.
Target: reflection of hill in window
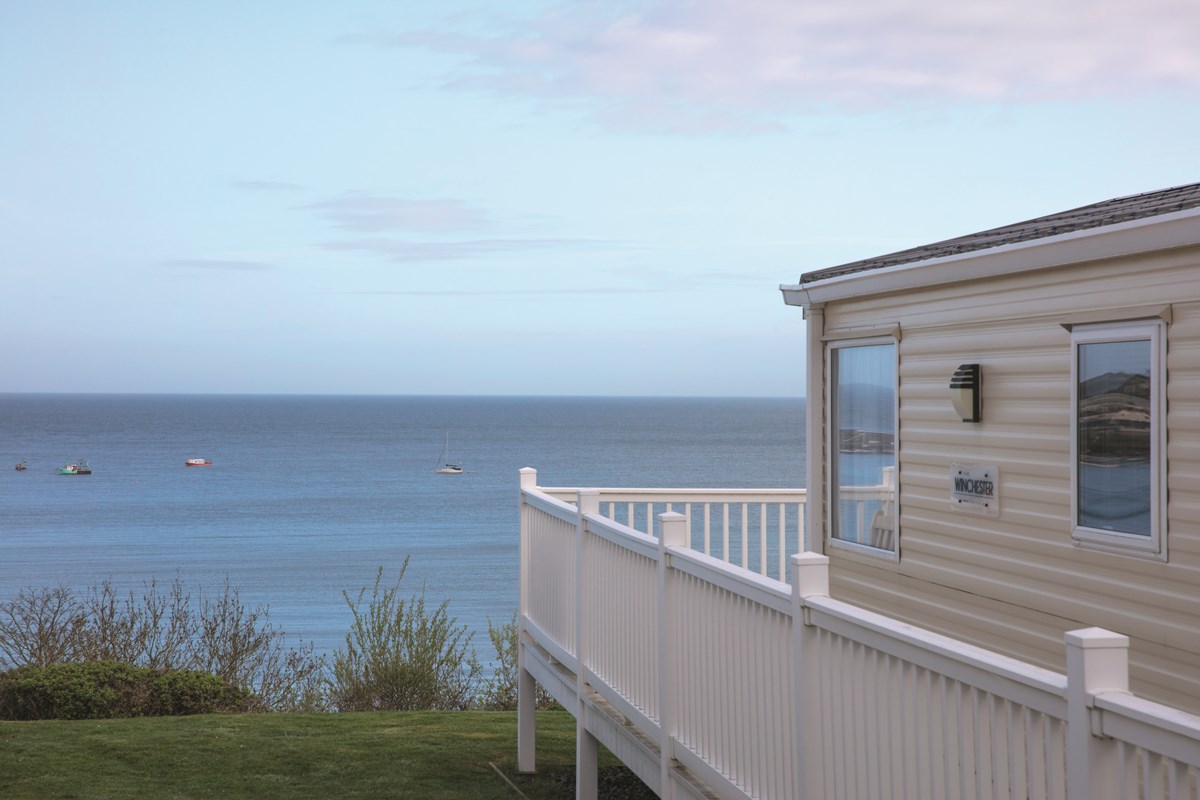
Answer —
(866, 418)
(1114, 419)
(856, 441)
(1118, 382)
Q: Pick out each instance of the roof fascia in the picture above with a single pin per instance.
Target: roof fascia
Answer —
(1160, 232)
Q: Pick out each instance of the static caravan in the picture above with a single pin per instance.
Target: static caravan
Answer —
(1004, 434)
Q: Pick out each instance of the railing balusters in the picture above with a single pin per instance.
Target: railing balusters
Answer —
(708, 529)
(725, 535)
(782, 575)
(745, 536)
(1154, 776)
(1178, 780)
(762, 539)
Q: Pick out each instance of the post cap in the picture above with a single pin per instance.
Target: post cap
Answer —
(808, 558)
(1091, 638)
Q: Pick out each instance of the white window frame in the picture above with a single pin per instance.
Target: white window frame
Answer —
(1155, 545)
(832, 484)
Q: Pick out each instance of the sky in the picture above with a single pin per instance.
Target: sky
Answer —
(531, 198)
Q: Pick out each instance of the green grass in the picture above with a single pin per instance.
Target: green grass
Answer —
(293, 756)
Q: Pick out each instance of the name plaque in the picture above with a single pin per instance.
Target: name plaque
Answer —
(975, 488)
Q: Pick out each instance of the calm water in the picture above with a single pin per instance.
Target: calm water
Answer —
(307, 496)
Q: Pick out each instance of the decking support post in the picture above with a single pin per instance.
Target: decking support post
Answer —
(810, 578)
(1097, 662)
(526, 689)
(587, 748)
(673, 532)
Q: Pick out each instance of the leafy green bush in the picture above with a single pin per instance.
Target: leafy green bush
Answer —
(106, 689)
(179, 692)
(400, 656)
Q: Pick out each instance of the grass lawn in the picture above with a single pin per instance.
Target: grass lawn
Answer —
(293, 756)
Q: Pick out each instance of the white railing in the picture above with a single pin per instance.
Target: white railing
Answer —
(753, 528)
(1157, 748)
(730, 634)
(758, 689)
(548, 538)
(620, 630)
(895, 711)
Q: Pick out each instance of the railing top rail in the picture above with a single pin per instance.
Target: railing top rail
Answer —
(1156, 727)
(551, 505)
(754, 587)
(622, 535)
(683, 495)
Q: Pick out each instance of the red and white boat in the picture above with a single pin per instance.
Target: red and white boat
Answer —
(198, 462)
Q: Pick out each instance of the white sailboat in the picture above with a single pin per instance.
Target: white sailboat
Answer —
(444, 466)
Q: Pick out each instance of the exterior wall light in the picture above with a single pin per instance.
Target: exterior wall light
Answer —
(965, 392)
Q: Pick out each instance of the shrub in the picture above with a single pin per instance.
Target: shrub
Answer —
(41, 626)
(500, 690)
(179, 692)
(241, 646)
(106, 689)
(154, 630)
(400, 656)
(164, 629)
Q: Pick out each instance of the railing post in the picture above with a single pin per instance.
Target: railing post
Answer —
(526, 690)
(673, 532)
(814, 531)
(587, 748)
(1097, 662)
(810, 578)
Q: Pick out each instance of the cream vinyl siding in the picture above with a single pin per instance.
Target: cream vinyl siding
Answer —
(1016, 582)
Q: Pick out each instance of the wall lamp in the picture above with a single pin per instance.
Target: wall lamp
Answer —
(965, 391)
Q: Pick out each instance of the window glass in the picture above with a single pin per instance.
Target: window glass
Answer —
(1114, 414)
(864, 444)
(1118, 437)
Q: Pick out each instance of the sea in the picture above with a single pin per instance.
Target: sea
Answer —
(308, 496)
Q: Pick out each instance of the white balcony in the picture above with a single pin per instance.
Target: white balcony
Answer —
(711, 679)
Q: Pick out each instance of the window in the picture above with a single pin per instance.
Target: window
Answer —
(863, 410)
(1118, 410)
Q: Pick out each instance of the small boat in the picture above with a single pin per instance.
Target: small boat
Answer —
(198, 462)
(21, 466)
(444, 467)
(80, 467)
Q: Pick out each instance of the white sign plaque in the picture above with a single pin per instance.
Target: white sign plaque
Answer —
(975, 488)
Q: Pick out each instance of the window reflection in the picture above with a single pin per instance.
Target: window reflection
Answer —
(865, 444)
(1114, 436)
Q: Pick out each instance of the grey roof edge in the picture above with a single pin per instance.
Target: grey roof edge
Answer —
(1167, 231)
(1085, 218)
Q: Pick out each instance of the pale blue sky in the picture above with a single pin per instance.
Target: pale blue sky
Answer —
(530, 197)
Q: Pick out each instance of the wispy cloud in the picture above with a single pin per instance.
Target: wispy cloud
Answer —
(582, 291)
(266, 186)
(654, 284)
(712, 64)
(403, 251)
(230, 265)
(732, 278)
(374, 213)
